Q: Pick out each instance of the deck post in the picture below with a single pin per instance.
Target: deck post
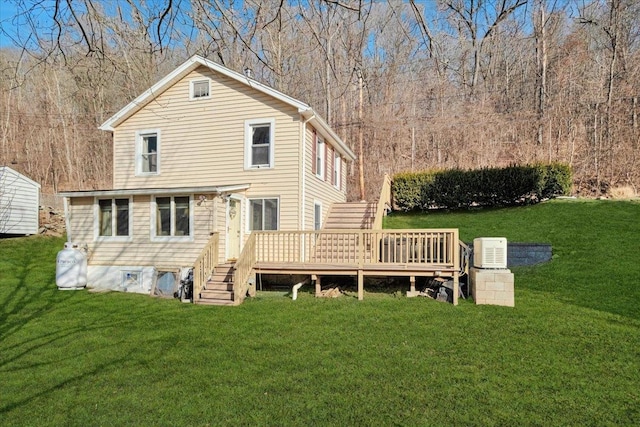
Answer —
(361, 248)
(456, 288)
(456, 265)
(318, 284)
(412, 279)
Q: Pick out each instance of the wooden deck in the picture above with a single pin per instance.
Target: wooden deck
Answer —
(359, 253)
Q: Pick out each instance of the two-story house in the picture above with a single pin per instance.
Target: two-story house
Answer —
(204, 151)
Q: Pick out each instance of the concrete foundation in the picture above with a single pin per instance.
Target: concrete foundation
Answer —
(136, 279)
(492, 286)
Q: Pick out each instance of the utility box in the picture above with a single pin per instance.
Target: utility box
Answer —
(491, 282)
(490, 252)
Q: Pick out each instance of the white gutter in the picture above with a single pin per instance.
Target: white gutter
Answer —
(155, 191)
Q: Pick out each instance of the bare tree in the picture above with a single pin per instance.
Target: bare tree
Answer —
(477, 21)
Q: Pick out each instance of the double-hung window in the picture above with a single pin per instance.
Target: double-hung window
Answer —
(172, 217)
(259, 143)
(337, 169)
(263, 214)
(113, 218)
(320, 157)
(148, 152)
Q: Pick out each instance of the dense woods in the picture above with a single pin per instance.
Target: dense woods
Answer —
(409, 85)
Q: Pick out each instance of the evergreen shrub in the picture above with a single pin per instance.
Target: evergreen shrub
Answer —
(486, 187)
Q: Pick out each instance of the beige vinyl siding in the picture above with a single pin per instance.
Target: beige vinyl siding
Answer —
(202, 142)
(140, 250)
(318, 189)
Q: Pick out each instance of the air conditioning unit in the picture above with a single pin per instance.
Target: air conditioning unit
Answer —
(490, 252)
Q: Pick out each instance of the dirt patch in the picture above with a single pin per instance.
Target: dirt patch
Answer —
(330, 293)
(623, 193)
(51, 222)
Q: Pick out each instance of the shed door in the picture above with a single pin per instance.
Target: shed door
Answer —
(233, 228)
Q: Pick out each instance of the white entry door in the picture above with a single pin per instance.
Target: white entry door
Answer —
(233, 228)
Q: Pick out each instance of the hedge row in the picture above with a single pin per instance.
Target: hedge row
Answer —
(455, 188)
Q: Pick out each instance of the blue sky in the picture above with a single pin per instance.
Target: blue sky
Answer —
(7, 11)
(17, 27)
(14, 25)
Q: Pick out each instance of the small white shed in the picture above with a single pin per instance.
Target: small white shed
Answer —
(19, 203)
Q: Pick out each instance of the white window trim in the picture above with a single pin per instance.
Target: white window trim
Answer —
(139, 135)
(248, 211)
(317, 203)
(248, 141)
(96, 220)
(321, 151)
(152, 224)
(337, 169)
(191, 91)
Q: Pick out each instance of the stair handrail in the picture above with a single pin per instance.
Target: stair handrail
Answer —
(384, 202)
(243, 269)
(204, 265)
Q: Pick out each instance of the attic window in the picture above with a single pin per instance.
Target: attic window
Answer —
(199, 89)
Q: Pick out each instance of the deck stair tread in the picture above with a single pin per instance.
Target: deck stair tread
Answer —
(218, 286)
(216, 302)
(213, 294)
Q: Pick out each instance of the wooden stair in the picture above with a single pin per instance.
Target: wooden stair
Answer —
(219, 288)
(351, 215)
(343, 216)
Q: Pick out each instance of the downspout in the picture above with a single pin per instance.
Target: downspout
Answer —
(295, 290)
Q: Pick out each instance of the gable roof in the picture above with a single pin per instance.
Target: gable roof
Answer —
(6, 170)
(196, 61)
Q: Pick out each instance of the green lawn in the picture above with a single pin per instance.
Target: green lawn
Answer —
(567, 354)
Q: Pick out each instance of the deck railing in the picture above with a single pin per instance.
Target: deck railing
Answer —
(437, 247)
(204, 265)
(384, 202)
(244, 269)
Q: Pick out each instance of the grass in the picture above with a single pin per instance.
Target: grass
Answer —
(567, 354)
